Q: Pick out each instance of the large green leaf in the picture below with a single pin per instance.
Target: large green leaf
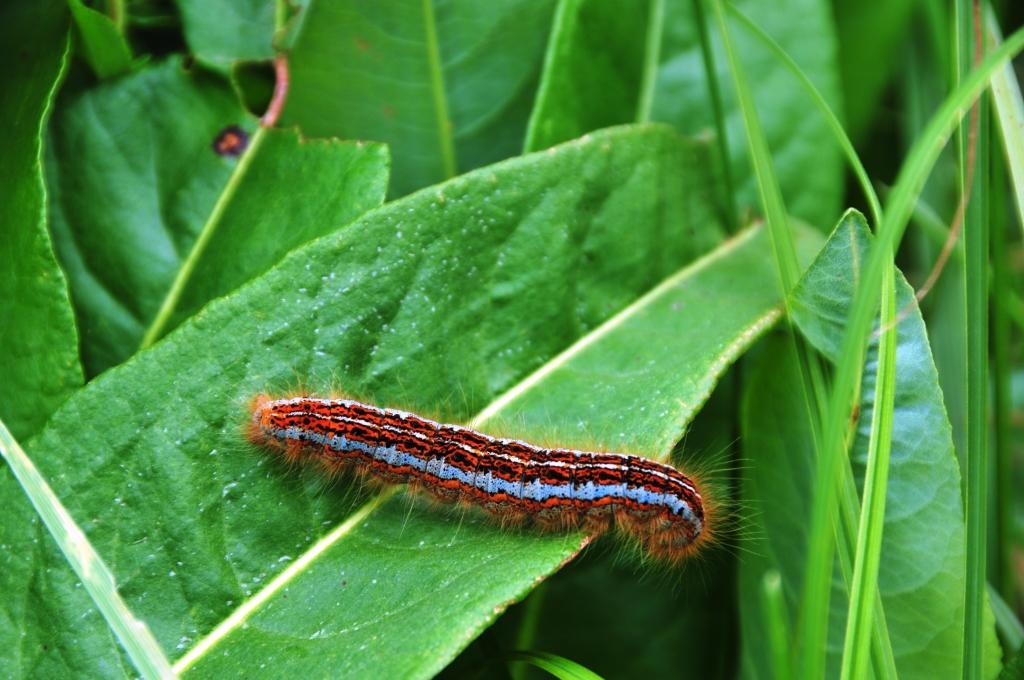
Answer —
(150, 222)
(220, 32)
(448, 85)
(630, 369)
(922, 567)
(805, 154)
(38, 341)
(439, 301)
(593, 71)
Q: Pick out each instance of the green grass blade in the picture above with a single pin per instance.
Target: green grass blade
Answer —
(974, 184)
(775, 623)
(912, 176)
(446, 141)
(826, 111)
(718, 108)
(761, 159)
(135, 637)
(885, 664)
(652, 55)
(1009, 107)
(1009, 626)
(527, 633)
(843, 524)
(558, 666)
(864, 589)
(1009, 113)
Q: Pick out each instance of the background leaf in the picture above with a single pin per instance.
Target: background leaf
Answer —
(923, 544)
(100, 41)
(288, 191)
(192, 523)
(593, 70)
(38, 341)
(137, 187)
(805, 155)
(447, 85)
(221, 32)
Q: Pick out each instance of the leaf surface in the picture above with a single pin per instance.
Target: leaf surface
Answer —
(221, 32)
(100, 41)
(805, 155)
(38, 341)
(922, 564)
(150, 221)
(593, 70)
(440, 301)
(628, 373)
(448, 85)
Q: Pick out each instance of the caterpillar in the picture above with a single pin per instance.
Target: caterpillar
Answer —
(519, 483)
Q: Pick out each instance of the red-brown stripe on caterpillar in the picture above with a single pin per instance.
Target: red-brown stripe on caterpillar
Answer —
(519, 483)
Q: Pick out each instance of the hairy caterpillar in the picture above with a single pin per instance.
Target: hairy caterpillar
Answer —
(554, 489)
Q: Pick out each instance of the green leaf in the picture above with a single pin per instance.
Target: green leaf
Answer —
(529, 255)
(593, 70)
(922, 564)
(623, 349)
(103, 46)
(285, 192)
(38, 341)
(633, 355)
(221, 32)
(150, 222)
(447, 87)
(807, 159)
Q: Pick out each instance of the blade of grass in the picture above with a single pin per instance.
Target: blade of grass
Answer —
(833, 121)
(1000, 289)
(974, 179)
(882, 649)
(134, 635)
(1007, 623)
(438, 93)
(558, 666)
(864, 589)
(527, 633)
(775, 623)
(933, 226)
(718, 108)
(767, 181)
(910, 180)
(845, 525)
(1009, 110)
(1009, 106)
(652, 56)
